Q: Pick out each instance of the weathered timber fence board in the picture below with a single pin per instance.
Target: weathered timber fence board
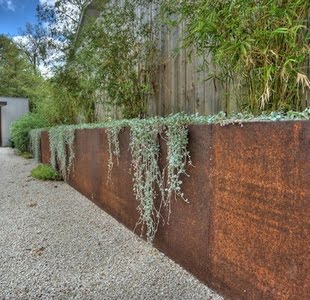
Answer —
(246, 229)
(179, 81)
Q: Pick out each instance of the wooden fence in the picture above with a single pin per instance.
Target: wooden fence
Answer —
(180, 83)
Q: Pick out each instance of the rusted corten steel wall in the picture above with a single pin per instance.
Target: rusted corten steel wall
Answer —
(246, 229)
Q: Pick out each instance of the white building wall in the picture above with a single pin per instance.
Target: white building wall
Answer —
(15, 108)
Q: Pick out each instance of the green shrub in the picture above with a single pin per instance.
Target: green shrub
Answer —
(45, 172)
(20, 130)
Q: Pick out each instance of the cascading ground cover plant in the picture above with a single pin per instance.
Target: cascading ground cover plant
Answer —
(35, 143)
(149, 181)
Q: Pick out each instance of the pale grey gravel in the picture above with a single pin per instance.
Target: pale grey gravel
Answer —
(56, 244)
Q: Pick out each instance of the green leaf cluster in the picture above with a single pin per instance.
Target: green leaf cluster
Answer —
(20, 130)
(116, 57)
(17, 77)
(261, 48)
(45, 172)
(59, 104)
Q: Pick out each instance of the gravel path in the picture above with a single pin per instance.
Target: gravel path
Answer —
(56, 244)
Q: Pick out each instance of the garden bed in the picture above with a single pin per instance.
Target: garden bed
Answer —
(246, 227)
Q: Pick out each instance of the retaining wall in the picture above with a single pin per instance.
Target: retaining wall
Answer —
(246, 230)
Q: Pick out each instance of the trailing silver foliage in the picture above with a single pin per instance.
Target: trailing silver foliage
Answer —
(35, 143)
(145, 151)
(61, 140)
(178, 157)
(113, 144)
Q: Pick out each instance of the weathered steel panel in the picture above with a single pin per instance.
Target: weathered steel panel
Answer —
(45, 148)
(190, 222)
(90, 175)
(261, 216)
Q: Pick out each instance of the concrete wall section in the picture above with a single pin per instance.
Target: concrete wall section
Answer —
(246, 229)
(15, 108)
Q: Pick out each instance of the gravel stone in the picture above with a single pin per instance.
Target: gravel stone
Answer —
(56, 244)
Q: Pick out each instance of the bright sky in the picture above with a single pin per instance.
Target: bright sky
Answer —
(14, 14)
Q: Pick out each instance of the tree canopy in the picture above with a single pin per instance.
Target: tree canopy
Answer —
(17, 77)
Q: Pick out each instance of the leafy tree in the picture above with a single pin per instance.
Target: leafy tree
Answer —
(62, 17)
(35, 43)
(17, 78)
(61, 20)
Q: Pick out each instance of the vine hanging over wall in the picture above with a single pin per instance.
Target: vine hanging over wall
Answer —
(144, 145)
(178, 158)
(35, 143)
(61, 140)
(113, 144)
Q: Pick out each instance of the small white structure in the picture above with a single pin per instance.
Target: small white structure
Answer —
(10, 110)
